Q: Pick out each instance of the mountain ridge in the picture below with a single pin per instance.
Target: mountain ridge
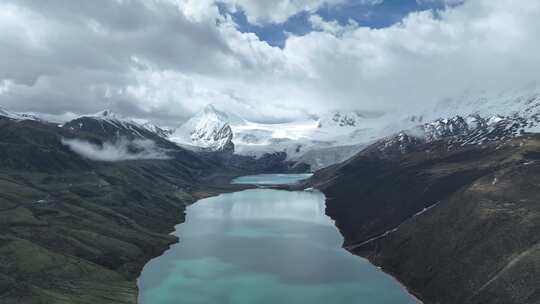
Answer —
(439, 207)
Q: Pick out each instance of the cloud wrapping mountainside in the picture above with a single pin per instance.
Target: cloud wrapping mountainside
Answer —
(120, 150)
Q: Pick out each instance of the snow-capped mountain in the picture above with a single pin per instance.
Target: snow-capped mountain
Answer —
(106, 122)
(334, 136)
(112, 126)
(217, 130)
(16, 116)
(460, 131)
(161, 131)
(318, 142)
(524, 102)
(209, 130)
(472, 118)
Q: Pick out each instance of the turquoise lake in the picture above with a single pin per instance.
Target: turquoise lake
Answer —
(263, 246)
(271, 179)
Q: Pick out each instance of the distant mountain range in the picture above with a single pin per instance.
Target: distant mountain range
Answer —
(335, 136)
(332, 137)
(217, 130)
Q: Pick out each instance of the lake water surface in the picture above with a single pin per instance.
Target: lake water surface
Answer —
(271, 179)
(263, 246)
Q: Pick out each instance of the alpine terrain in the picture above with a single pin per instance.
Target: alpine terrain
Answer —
(270, 152)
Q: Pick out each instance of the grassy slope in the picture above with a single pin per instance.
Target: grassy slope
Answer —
(75, 231)
(83, 238)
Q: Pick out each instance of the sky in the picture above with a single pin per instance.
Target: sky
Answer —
(269, 61)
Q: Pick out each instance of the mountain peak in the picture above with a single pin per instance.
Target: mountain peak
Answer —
(212, 112)
(209, 129)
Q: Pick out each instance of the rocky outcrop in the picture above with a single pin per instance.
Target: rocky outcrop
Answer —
(217, 138)
(457, 132)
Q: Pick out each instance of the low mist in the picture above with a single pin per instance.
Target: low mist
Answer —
(120, 150)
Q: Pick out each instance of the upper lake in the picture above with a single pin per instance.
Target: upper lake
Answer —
(271, 179)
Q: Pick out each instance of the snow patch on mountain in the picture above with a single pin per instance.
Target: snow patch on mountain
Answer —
(474, 118)
(460, 131)
(523, 102)
(113, 126)
(332, 130)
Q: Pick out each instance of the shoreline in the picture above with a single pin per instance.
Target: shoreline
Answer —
(413, 294)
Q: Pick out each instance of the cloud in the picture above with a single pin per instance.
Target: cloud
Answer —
(120, 150)
(166, 59)
(80, 57)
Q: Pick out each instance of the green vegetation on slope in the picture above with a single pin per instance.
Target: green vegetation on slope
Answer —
(76, 231)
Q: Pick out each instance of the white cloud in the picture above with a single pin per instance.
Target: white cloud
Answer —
(484, 45)
(120, 150)
(167, 61)
(332, 27)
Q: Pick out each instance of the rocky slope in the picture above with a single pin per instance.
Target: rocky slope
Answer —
(74, 230)
(450, 208)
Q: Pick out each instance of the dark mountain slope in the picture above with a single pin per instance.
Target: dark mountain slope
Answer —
(456, 224)
(79, 231)
(270, 162)
(32, 145)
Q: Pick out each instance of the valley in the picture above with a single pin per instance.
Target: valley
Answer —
(272, 152)
(443, 205)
